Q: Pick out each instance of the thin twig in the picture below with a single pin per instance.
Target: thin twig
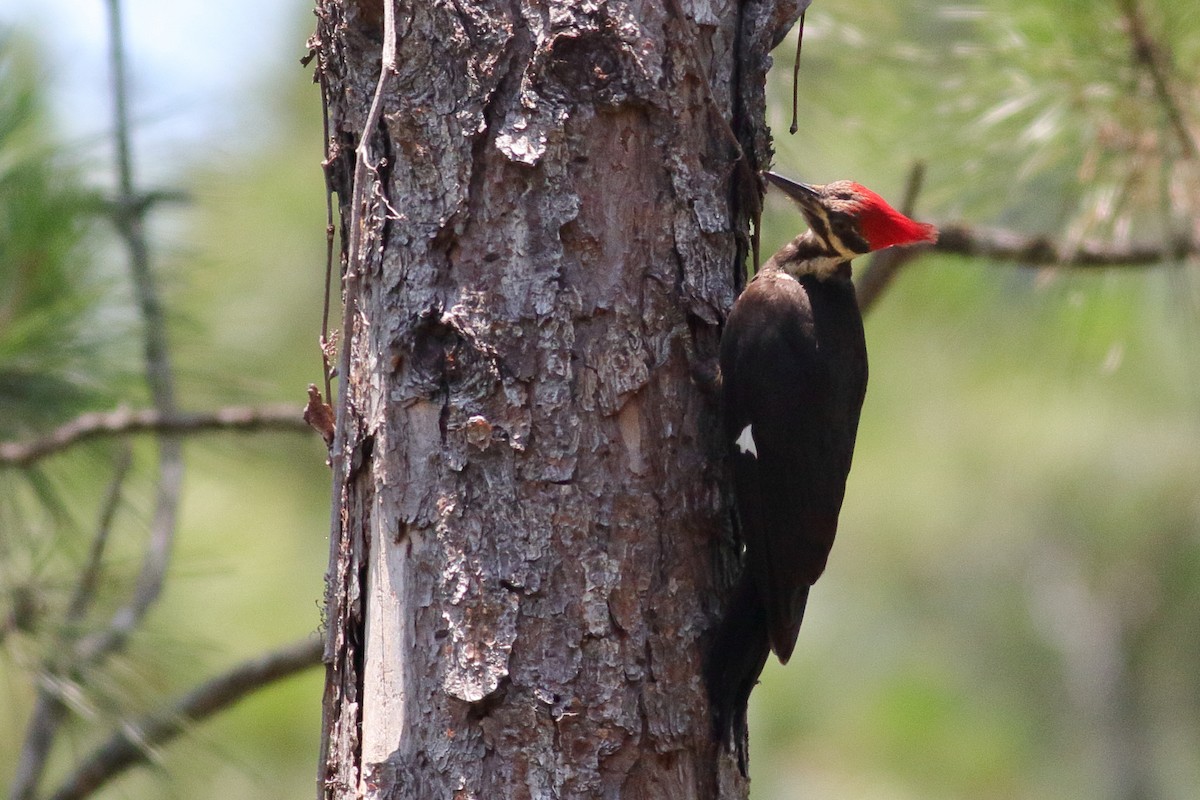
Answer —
(124, 422)
(795, 126)
(135, 740)
(362, 192)
(1150, 54)
(329, 236)
(48, 709)
(130, 218)
(40, 731)
(89, 577)
(355, 262)
(131, 226)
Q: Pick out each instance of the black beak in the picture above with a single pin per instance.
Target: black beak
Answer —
(802, 193)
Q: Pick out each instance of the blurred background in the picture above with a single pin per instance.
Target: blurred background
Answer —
(1013, 606)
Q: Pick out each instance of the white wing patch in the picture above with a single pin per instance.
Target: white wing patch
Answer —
(745, 441)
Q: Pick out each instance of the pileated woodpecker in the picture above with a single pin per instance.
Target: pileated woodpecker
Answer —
(794, 373)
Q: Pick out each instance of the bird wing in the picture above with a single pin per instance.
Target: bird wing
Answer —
(794, 366)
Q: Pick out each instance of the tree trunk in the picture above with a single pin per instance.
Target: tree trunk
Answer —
(531, 535)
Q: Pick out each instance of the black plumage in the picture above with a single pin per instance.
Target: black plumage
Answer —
(794, 375)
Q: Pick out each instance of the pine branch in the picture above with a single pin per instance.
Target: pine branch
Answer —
(124, 422)
(999, 244)
(132, 744)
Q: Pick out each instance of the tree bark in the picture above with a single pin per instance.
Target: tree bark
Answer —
(531, 533)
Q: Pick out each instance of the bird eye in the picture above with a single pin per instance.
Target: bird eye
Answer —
(848, 233)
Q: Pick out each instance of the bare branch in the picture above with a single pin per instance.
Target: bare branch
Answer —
(132, 228)
(43, 726)
(132, 744)
(141, 203)
(123, 422)
(130, 219)
(89, 578)
(999, 244)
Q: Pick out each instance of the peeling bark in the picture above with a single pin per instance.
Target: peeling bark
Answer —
(532, 534)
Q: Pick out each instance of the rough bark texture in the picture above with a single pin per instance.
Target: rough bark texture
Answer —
(531, 537)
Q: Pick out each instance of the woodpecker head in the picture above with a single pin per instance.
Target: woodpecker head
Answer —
(847, 220)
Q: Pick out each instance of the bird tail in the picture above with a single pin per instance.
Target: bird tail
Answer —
(736, 659)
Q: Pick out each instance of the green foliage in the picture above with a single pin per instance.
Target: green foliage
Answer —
(58, 325)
